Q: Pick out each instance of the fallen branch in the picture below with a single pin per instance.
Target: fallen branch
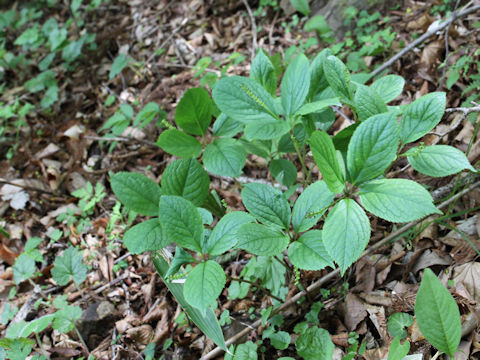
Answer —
(430, 32)
(316, 285)
(254, 28)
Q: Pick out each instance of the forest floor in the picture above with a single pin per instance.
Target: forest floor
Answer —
(58, 151)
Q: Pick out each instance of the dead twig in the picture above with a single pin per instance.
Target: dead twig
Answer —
(430, 32)
(316, 285)
(254, 29)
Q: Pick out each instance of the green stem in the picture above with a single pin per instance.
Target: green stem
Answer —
(300, 157)
(40, 345)
(82, 340)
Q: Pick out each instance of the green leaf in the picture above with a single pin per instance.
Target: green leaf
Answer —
(318, 81)
(280, 340)
(437, 314)
(244, 99)
(267, 204)
(137, 192)
(301, 6)
(194, 111)
(326, 159)
(188, 179)
(397, 200)
(338, 77)
(24, 329)
(69, 265)
(397, 323)
(295, 84)
(438, 160)
(368, 103)
(147, 114)
(23, 268)
(346, 233)
(261, 240)
(8, 313)
(263, 72)
(65, 319)
(422, 116)
(309, 253)
(204, 284)
(246, 351)
(179, 144)
(315, 344)
(224, 234)
(227, 127)
(311, 205)
(182, 222)
(372, 148)
(57, 37)
(181, 257)
(146, 236)
(120, 62)
(317, 106)
(342, 138)
(206, 321)
(389, 87)
(266, 129)
(225, 157)
(283, 171)
(398, 351)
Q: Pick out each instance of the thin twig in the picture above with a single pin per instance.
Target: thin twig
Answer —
(26, 187)
(122, 139)
(316, 285)
(172, 34)
(254, 29)
(431, 31)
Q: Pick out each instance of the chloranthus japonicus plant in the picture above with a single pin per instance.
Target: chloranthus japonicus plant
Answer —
(328, 224)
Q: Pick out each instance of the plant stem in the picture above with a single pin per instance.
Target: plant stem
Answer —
(82, 340)
(265, 290)
(42, 349)
(300, 157)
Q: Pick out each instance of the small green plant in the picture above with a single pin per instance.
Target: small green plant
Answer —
(326, 226)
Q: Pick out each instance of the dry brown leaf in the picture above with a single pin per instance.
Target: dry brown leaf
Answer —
(469, 275)
(141, 334)
(431, 258)
(355, 311)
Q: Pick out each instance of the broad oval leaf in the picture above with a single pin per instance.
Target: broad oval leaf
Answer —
(301, 6)
(438, 160)
(179, 144)
(318, 81)
(267, 204)
(244, 99)
(338, 77)
(311, 205)
(437, 314)
(284, 171)
(368, 102)
(397, 200)
(225, 126)
(372, 148)
(389, 87)
(422, 116)
(194, 111)
(317, 106)
(137, 192)
(146, 236)
(397, 324)
(398, 351)
(204, 284)
(206, 321)
(224, 234)
(263, 72)
(326, 159)
(266, 129)
(261, 240)
(315, 344)
(225, 157)
(295, 84)
(182, 222)
(346, 233)
(186, 178)
(309, 253)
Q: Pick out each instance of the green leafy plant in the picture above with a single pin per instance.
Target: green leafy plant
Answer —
(326, 225)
